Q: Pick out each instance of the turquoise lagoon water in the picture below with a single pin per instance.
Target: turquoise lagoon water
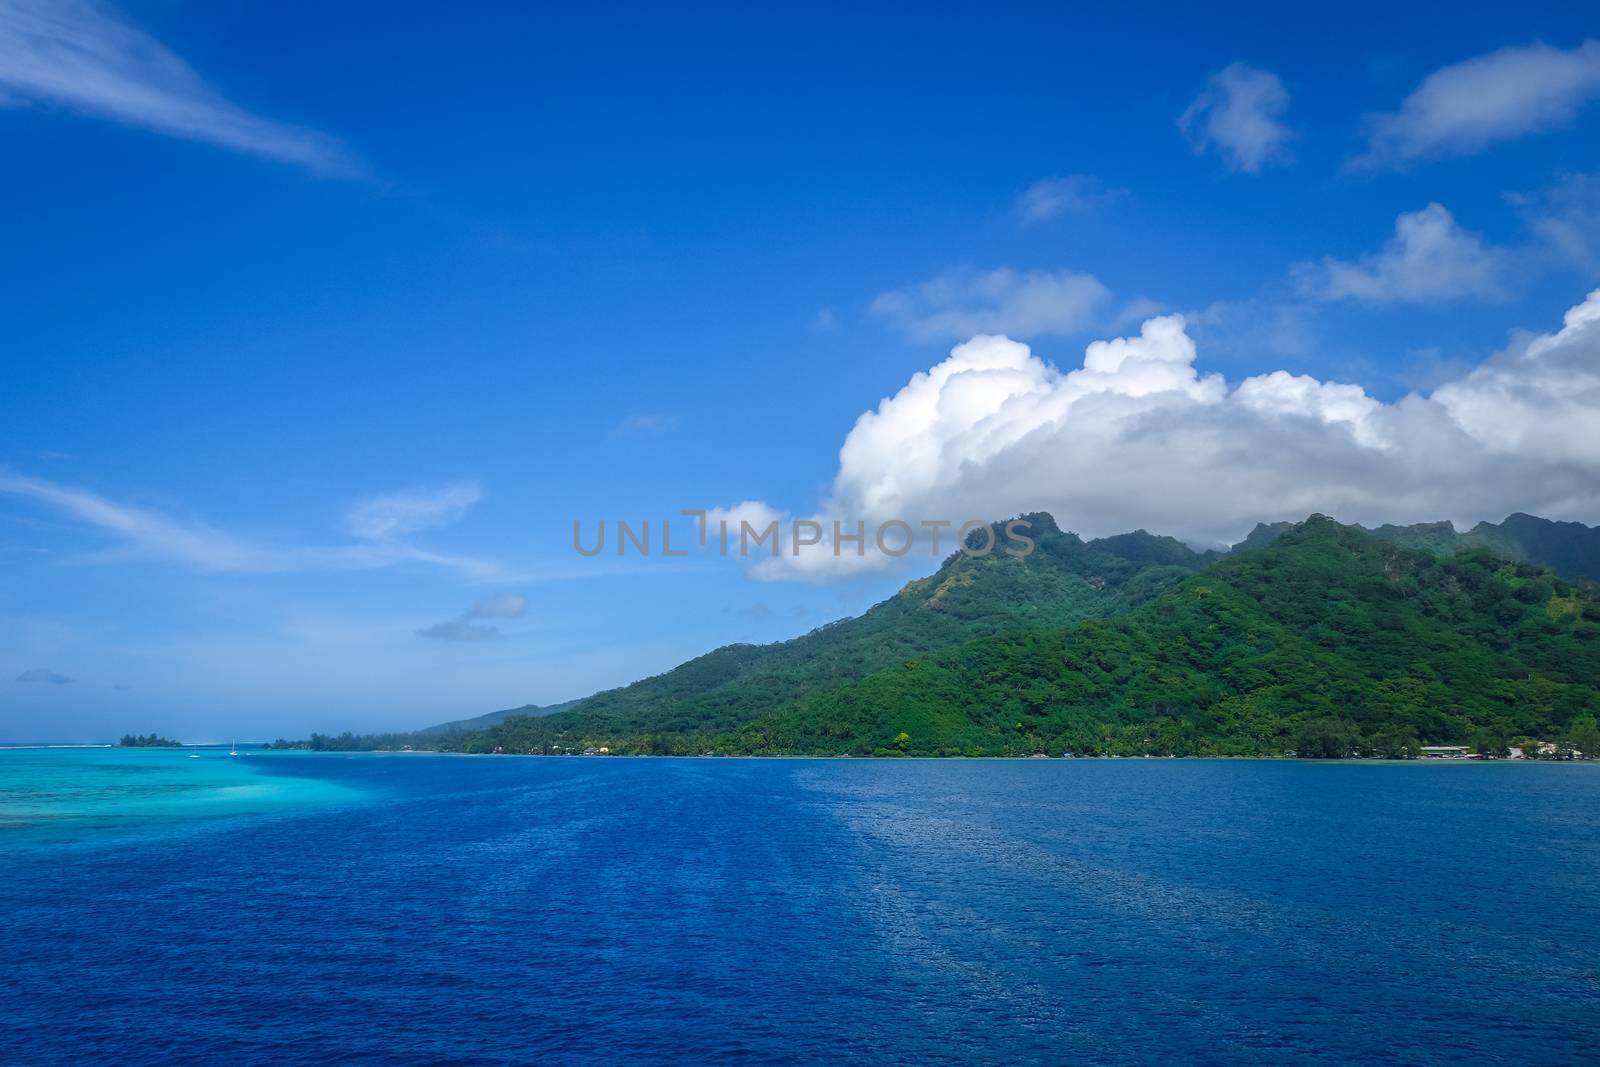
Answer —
(100, 795)
(303, 909)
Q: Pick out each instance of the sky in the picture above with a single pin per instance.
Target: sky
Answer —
(322, 324)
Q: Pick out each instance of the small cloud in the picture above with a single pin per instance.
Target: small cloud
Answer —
(43, 675)
(1073, 194)
(1240, 114)
(825, 320)
(1020, 304)
(646, 424)
(1430, 259)
(123, 687)
(1565, 220)
(1500, 96)
(460, 630)
(465, 627)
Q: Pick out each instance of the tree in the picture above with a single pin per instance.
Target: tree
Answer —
(902, 740)
(1327, 738)
(1396, 744)
(1491, 742)
(1586, 736)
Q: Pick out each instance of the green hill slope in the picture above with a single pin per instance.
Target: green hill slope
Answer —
(492, 718)
(1330, 640)
(1571, 549)
(1329, 637)
(1064, 580)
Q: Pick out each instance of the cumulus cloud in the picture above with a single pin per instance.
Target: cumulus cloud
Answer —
(1073, 194)
(468, 627)
(379, 523)
(43, 676)
(1026, 304)
(1501, 96)
(1430, 259)
(1240, 115)
(1139, 436)
(84, 56)
(1540, 398)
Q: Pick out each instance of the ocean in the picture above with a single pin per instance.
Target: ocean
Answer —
(289, 908)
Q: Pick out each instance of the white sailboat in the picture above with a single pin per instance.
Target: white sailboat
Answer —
(233, 749)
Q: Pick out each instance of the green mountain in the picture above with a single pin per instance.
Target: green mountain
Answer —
(1329, 640)
(1568, 548)
(1571, 549)
(479, 722)
(1063, 580)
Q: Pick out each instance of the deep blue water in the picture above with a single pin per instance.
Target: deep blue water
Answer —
(511, 910)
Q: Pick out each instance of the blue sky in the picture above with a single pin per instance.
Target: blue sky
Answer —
(319, 328)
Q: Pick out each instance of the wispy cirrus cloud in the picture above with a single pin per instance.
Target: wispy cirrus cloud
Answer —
(389, 515)
(1468, 106)
(1072, 194)
(377, 522)
(85, 56)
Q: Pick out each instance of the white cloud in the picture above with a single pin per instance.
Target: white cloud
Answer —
(962, 303)
(1138, 437)
(1240, 114)
(1465, 107)
(378, 522)
(1541, 397)
(1074, 194)
(1430, 259)
(83, 56)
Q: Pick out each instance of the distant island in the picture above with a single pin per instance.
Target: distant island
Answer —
(1316, 640)
(147, 741)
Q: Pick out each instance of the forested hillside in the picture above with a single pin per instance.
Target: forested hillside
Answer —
(1064, 580)
(1314, 638)
(1330, 640)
